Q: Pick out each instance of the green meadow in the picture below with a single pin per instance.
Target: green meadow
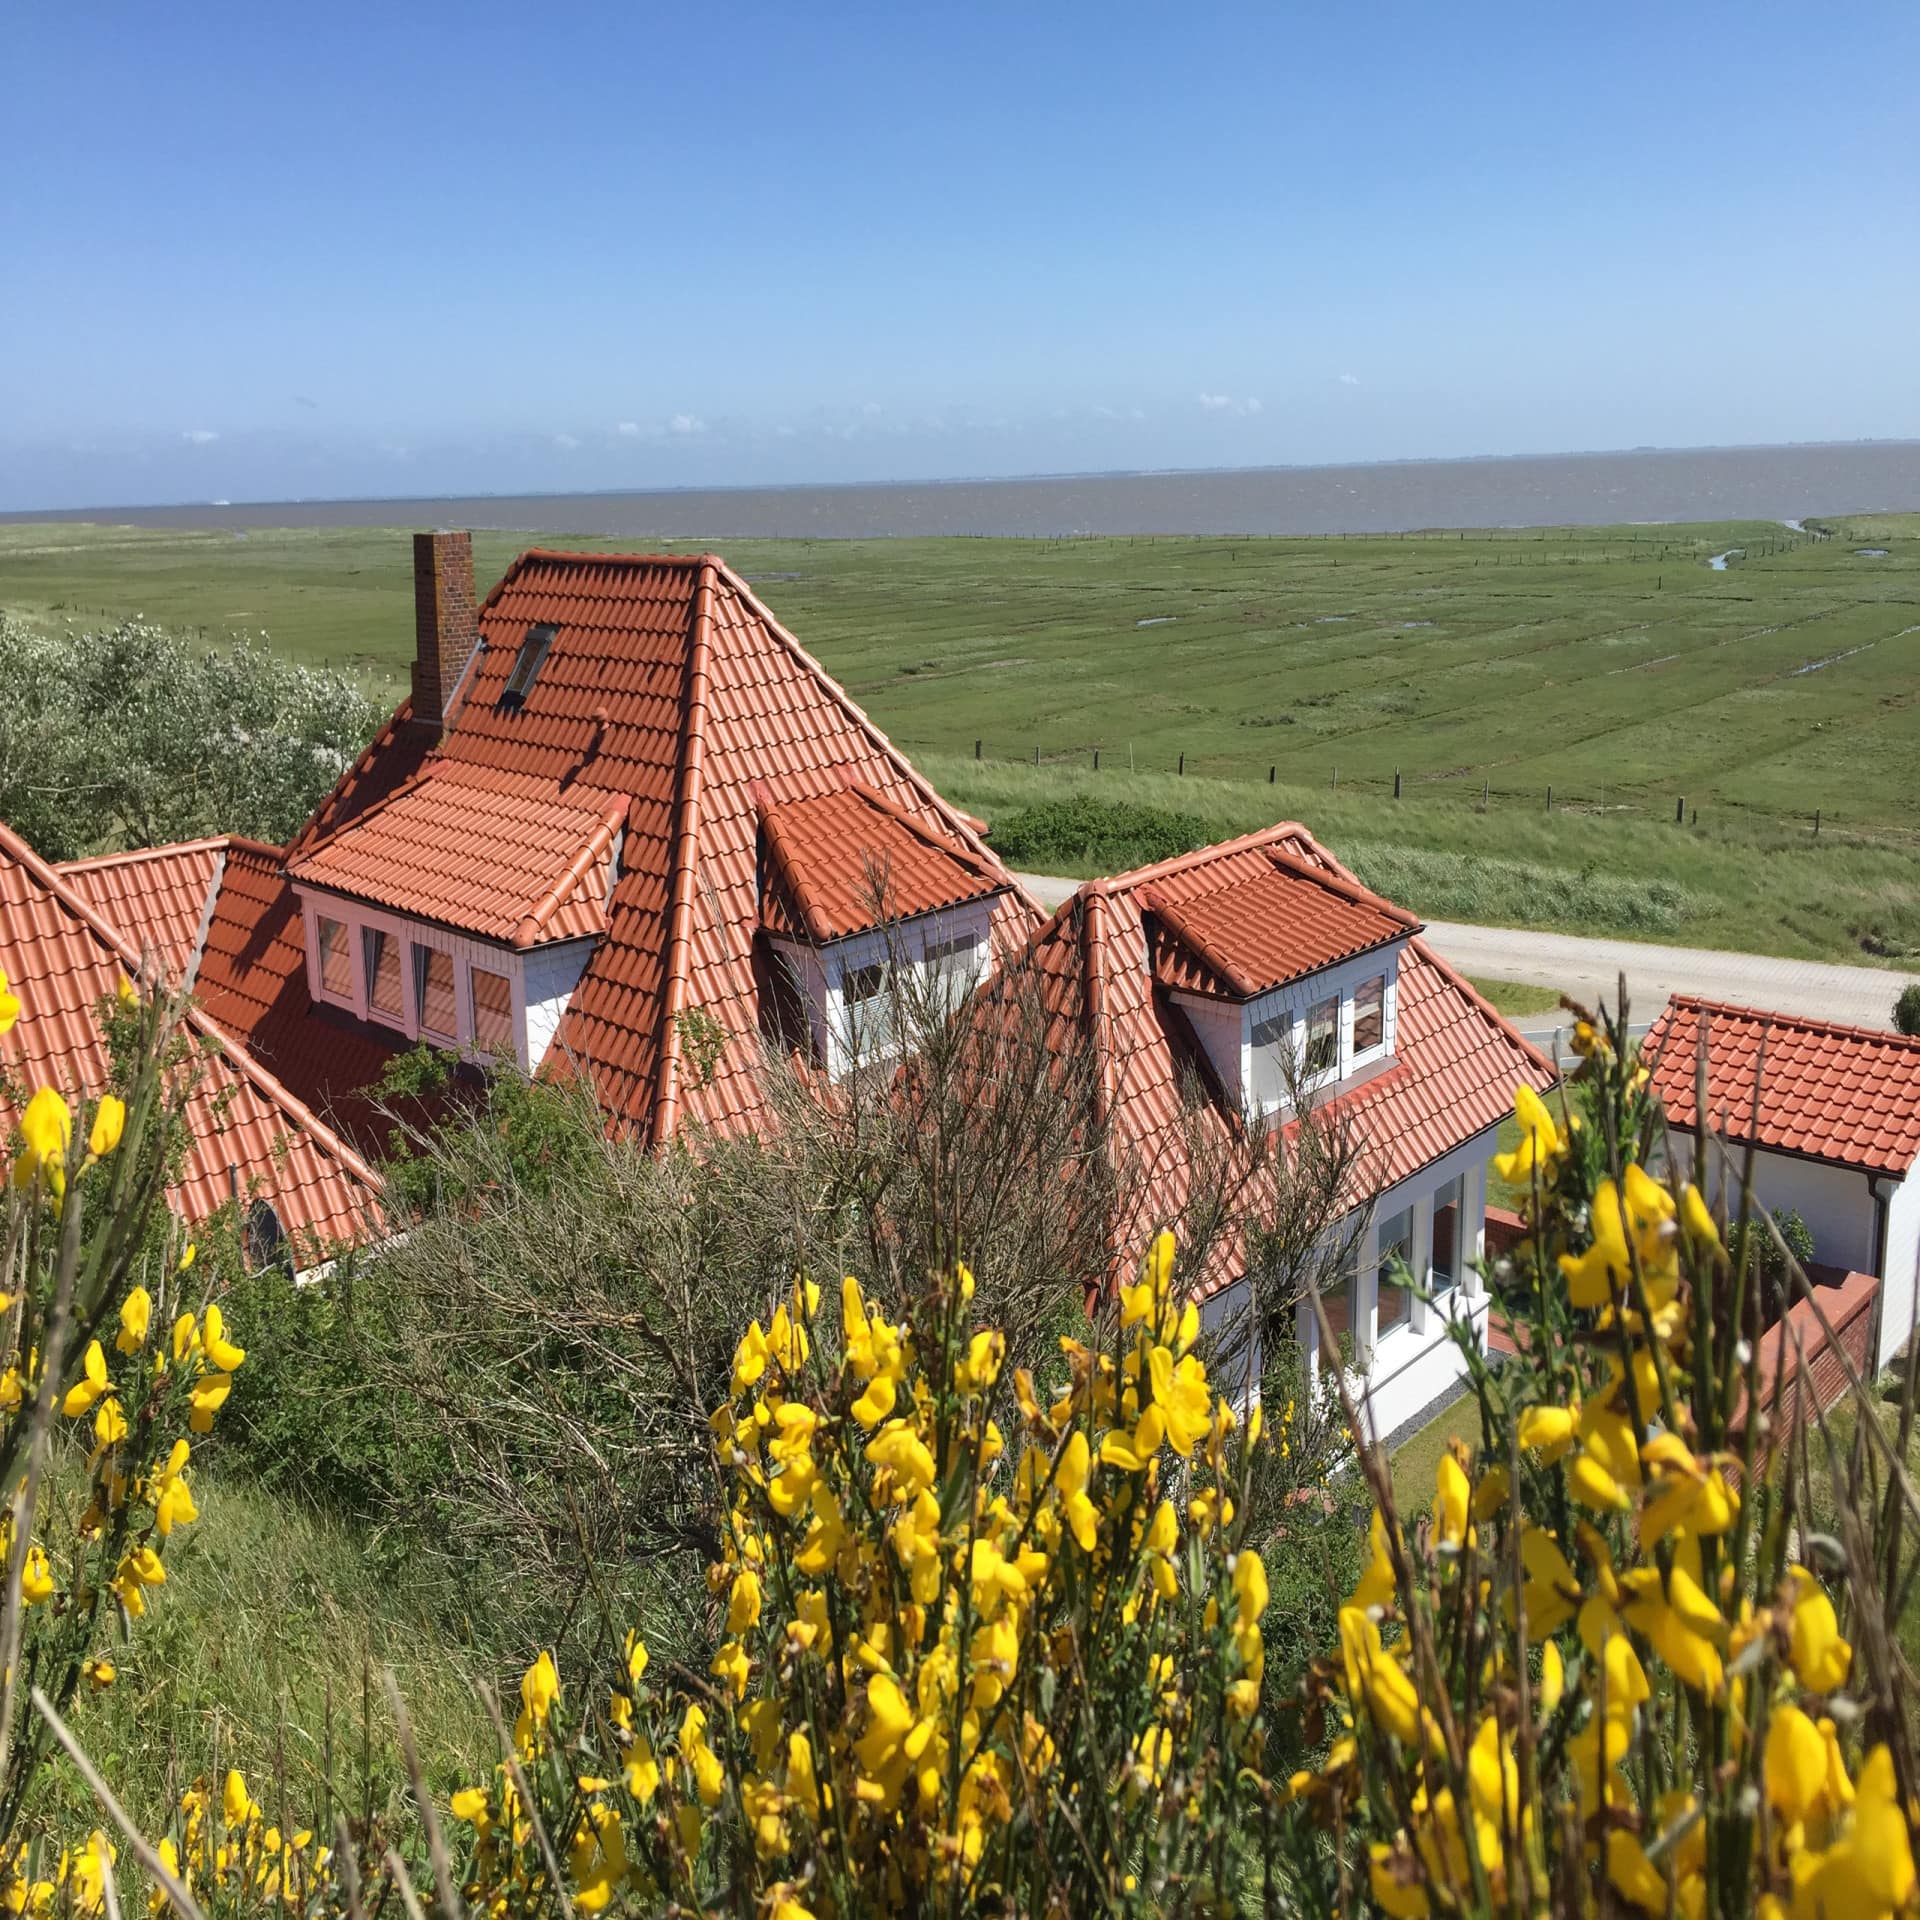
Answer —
(1240, 681)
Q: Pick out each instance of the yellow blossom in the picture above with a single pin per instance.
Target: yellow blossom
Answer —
(109, 1123)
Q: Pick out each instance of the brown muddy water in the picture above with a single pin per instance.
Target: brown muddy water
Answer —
(1582, 489)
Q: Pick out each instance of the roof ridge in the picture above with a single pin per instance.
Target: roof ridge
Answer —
(235, 1055)
(99, 862)
(1806, 1022)
(678, 957)
(838, 694)
(1202, 856)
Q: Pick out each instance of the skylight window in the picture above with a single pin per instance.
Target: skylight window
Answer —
(526, 667)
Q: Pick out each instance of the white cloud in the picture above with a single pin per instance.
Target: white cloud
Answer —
(565, 442)
(199, 436)
(1227, 403)
(628, 429)
(1349, 379)
(870, 408)
(686, 423)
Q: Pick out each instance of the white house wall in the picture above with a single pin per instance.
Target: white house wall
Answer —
(1833, 1201)
(822, 972)
(545, 983)
(1416, 1363)
(543, 979)
(1901, 1276)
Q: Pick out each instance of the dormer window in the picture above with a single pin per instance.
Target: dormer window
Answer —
(874, 918)
(463, 909)
(526, 667)
(1287, 973)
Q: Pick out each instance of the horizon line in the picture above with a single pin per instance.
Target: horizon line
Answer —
(90, 513)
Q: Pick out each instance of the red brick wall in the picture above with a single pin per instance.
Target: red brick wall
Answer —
(1848, 1302)
(445, 622)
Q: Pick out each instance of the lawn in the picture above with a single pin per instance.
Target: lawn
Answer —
(1516, 999)
(1300, 678)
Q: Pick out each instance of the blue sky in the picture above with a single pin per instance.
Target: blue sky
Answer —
(261, 252)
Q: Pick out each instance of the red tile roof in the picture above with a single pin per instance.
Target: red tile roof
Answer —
(247, 1131)
(1456, 1061)
(156, 899)
(1849, 1095)
(253, 982)
(847, 860)
(670, 687)
(1282, 920)
(504, 856)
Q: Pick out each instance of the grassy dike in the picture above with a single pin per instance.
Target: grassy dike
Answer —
(1740, 884)
(1611, 665)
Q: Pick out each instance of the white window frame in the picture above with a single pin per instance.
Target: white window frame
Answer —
(1283, 1013)
(925, 943)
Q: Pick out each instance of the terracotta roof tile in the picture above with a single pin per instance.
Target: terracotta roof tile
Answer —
(1456, 1061)
(1266, 927)
(1849, 1095)
(508, 857)
(156, 899)
(844, 861)
(253, 983)
(669, 686)
(247, 1130)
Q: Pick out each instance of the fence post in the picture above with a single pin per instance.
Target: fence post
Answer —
(1036, 753)
(1336, 776)
(1396, 783)
(1816, 823)
(976, 749)
(1680, 811)
(1273, 773)
(1485, 783)
(1183, 764)
(1549, 799)
(1096, 759)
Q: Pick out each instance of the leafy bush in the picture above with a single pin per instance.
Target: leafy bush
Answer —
(1085, 835)
(135, 736)
(1906, 1012)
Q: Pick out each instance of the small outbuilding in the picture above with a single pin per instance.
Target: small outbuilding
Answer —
(1836, 1132)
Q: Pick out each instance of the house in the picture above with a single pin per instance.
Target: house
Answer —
(299, 1188)
(625, 826)
(625, 823)
(1836, 1133)
(1220, 987)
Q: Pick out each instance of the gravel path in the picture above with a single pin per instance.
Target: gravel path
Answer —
(1588, 968)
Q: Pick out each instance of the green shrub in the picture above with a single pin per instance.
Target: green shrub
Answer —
(1103, 836)
(1906, 1012)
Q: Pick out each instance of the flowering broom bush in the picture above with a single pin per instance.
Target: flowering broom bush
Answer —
(113, 1365)
(1607, 1673)
(990, 1644)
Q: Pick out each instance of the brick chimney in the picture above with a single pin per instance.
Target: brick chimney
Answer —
(446, 627)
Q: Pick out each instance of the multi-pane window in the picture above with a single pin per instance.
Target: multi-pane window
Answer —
(433, 992)
(383, 977)
(1370, 1013)
(867, 993)
(1272, 1037)
(1394, 1306)
(952, 967)
(336, 960)
(1322, 1050)
(492, 1010)
(1447, 1213)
